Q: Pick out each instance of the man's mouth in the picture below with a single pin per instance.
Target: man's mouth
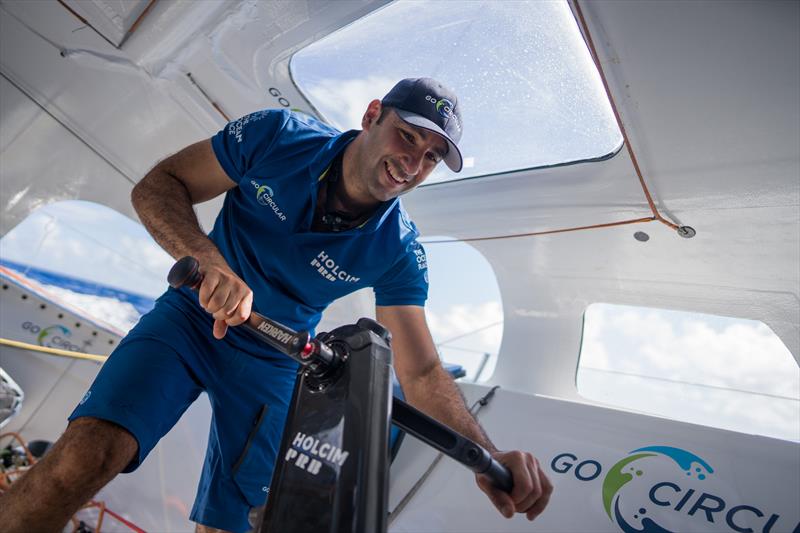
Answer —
(392, 177)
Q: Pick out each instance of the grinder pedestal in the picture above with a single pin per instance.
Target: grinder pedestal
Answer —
(332, 468)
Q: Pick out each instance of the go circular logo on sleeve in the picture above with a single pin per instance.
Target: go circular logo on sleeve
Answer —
(664, 489)
(264, 196)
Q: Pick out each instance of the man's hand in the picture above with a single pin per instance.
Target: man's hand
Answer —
(429, 388)
(531, 491)
(224, 295)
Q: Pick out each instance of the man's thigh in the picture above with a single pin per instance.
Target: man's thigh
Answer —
(250, 401)
(144, 386)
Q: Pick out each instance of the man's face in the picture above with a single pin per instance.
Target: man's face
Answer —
(398, 156)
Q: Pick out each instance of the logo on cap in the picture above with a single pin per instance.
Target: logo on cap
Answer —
(443, 106)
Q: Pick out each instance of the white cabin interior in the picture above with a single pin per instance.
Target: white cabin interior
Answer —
(707, 93)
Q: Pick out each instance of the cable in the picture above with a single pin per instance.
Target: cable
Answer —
(53, 351)
(462, 335)
(678, 381)
(548, 232)
(596, 59)
(682, 230)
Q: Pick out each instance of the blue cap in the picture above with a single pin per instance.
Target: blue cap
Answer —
(427, 104)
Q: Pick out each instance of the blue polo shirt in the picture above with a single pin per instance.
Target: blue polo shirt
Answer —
(278, 159)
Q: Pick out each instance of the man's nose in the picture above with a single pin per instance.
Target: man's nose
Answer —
(412, 163)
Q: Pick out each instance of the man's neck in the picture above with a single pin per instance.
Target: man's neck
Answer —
(351, 193)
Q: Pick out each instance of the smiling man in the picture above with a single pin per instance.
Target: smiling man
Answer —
(310, 214)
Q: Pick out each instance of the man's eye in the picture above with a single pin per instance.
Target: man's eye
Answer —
(408, 136)
(433, 157)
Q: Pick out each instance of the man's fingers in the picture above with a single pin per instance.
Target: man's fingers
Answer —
(226, 297)
(527, 487)
(207, 289)
(217, 302)
(220, 329)
(532, 488)
(541, 503)
(228, 309)
(241, 311)
(533, 507)
(501, 500)
(246, 307)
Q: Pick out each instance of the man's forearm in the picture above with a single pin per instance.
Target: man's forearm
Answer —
(438, 396)
(165, 208)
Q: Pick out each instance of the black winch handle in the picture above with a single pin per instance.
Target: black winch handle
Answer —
(451, 443)
(297, 345)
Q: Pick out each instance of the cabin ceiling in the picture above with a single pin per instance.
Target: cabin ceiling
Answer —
(708, 93)
(73, 101)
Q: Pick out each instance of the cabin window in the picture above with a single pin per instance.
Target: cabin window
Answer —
(722, 372)
(90, 257)
(464, 309)
(530, 93)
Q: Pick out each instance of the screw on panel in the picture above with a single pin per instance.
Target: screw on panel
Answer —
(24, 296)
(687, 232)
(641, 236)
(5, 287)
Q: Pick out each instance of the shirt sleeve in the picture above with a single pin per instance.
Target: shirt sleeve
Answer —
(406, 282)
(244, 143)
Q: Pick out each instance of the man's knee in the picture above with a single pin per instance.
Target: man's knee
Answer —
(94, 446)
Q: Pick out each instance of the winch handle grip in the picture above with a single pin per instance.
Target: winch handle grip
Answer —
(500, 475)
(451, 443)
(297, 345)
(185, 272)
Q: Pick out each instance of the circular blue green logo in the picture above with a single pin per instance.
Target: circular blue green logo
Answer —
(633, 466)
(48, 331)
(263, 193)
(444, 107)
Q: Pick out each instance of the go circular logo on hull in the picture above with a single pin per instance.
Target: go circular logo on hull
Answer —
(626, 469)
(55, 336)
(664, 489)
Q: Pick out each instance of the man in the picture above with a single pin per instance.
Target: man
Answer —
(310, 214)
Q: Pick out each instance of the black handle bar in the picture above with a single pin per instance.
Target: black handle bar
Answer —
(297, 345)
(454, 445)
(311, 352)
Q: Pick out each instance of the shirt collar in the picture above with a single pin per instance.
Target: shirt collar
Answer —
(325, 156)
(324, 159)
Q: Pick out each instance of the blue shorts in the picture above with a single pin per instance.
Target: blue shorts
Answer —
(161, 367)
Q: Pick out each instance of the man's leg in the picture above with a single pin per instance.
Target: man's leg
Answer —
(89, 454)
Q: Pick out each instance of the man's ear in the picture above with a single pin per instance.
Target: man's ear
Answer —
(371, 114)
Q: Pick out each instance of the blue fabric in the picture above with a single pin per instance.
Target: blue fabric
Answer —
(263, 230)
(161, 367)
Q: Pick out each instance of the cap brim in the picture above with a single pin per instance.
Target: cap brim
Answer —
(452, 158)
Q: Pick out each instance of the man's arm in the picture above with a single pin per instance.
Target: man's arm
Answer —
(429, 387)
(163, 199)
